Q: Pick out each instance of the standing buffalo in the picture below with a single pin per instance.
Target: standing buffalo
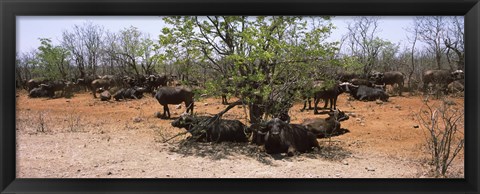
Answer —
(100, 83)
(440, 78)
(226, 90)
(280, 137)
(152, 82)
(389, 78)
(330, 95)
(220, 130)
(174, 95)
(85, 82)
(59, 85)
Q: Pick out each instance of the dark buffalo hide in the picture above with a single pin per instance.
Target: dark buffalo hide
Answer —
(281, 137)
(174, 95)
(219, 130)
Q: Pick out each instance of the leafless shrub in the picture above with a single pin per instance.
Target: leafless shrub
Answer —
(74, 123)
(42, 121)
(443, 136)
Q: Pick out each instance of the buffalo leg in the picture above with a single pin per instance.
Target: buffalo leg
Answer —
(304, 104)
(189, 107)
(326, 103)
(334, 103)
(166, 111)
(315, 105)
(400, 88)
(94, 91)
(305, 100)
(224, 100)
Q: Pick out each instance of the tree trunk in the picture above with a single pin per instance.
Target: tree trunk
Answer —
(255, 110)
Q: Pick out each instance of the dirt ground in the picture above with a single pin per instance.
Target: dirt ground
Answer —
(83, 137)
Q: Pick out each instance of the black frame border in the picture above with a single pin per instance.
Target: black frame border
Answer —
(10, 8)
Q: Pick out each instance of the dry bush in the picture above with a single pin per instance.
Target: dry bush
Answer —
(42, 118)
(74, 123)
(444, 138)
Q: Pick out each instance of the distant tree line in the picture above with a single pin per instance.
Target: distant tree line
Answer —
(260, 58)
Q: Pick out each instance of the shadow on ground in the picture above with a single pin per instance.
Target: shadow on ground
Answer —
(225, 150)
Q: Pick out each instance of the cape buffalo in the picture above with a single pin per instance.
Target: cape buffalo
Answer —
(220, 130)
(440, 78)
(389, 78)
(40, 91)
(327, 127)
(368, 93)
(281, 137)
(154, 81)
(86, 82)
(100, 83)
(330, 95)
(35, 82)
(129, 93)
(457, 86)
(174, 95)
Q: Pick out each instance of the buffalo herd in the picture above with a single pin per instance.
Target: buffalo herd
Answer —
(276, 135)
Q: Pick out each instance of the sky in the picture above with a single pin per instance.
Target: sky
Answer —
(31, 28)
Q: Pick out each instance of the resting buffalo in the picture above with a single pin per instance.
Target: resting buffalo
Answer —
(50, 88)
(129, 81)
(41, 91)
(357, 81)
(220, 130)
(35, 82)
(441, 78)
(389, 78)
(281, 137)
(327, 127)
(105, 96)
(174, 95)
(368, 93)
(456, 86)
(129, 93)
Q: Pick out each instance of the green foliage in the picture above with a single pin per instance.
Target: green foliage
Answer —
(351, 64)
(257, 53)
(52, 60)
(136, 50)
